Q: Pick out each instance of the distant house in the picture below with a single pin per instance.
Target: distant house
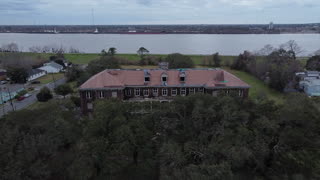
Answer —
(309, 82)
(51, 67)
(35, 74)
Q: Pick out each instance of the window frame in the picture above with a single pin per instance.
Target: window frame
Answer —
(155, 92)
(183, 90)
(137, 92)
(128, 92)
(192, 90)
(144, 92)
(164, 90)
(88, 94)
(174, 92)
(101, 94)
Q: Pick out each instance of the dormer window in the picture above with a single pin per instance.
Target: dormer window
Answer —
(164, 78)
(146, 76)
(182, 76)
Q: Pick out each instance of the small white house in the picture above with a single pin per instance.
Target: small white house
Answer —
(51, 67)
(35, 74)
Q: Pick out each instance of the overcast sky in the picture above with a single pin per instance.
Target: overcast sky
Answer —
(35, 12)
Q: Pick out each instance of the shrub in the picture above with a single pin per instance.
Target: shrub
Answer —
(44, 95)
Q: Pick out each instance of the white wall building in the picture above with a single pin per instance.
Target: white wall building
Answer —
(35, 74)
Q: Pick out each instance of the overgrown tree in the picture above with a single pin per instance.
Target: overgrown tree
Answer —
(104, 62)
(216, 60)
(177, 60)
(313, 63)
(17, 75)
(63, 90)
(44, 95)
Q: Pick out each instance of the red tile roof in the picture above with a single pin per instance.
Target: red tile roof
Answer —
(208, 78)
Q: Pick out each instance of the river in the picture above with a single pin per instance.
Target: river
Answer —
(225, 44)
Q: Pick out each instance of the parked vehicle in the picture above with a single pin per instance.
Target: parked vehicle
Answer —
(27, 95)
(3, 82)
(21, 98)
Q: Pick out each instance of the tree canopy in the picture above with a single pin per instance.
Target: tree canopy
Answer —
(177, 60)
(194, 137)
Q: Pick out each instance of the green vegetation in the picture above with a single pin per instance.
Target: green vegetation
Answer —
(194, 137)
(50, 77)
(258, 87)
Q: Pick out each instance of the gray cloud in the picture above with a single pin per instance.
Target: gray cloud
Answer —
(19, 5)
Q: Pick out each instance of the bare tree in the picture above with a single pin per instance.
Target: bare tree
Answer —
(73, 50)
(11, 47)
(292, 46)
(266, 50)
(35, 49)
(317, 53)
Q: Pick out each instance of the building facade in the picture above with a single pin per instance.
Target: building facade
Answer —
(159, 85)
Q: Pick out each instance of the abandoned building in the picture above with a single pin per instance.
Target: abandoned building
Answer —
(158, 85)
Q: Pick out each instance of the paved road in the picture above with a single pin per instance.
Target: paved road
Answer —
(18, 105)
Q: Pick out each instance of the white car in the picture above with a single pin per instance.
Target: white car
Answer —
(27, 95)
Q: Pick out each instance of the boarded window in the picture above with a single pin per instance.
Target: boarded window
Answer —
(155, 91)
(114, 94)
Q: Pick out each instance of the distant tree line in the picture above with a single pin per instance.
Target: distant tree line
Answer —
(195, 137)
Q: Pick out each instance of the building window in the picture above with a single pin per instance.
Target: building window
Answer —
(240, 93)
(146, 92)
(146, 79)
(128, 92)
(182, 78)
(90, 106)
(155, 91)
(164, 92)
(101, 94)
(114, 94)
(173, 92)
(192, 90)
(201, 90)
(183, 91)
(215, 93)
(137, 92)
(164, 79)
(89, 95)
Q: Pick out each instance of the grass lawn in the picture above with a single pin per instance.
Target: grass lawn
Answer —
(36, 105)
(48, 78)
(257, 86)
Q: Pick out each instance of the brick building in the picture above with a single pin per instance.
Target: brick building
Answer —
(158, 84)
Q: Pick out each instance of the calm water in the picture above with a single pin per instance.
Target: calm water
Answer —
(163, 44)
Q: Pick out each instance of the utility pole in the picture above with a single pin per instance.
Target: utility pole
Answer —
(10, 99)
(2, 101)
(54, 81)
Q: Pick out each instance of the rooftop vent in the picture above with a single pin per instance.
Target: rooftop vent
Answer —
(163, 65)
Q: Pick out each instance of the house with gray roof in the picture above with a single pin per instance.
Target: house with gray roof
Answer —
(309, 82)
(35, 74)
(51, 67)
